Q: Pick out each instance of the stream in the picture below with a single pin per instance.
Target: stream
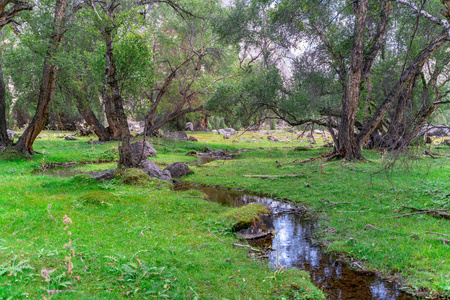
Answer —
(295, 248)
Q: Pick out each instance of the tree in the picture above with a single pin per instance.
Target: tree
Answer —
(7, 17)
(47, 86)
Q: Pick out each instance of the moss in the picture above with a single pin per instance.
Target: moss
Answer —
(243, 217)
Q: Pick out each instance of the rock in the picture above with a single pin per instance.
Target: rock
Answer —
(140, 152)
(309, 135)
(11, 134)
(208, 149)
(2, 148)
(91, 141)
(226, 137)
(70, 138)
(436, 130)
(177, 135)
(189, 126)
(153, 170)
(178, 169)
(105, 175)
(227, 131)
(277, 140)
(192, 139)
(242, 138)
(270, 138)
(214, 131)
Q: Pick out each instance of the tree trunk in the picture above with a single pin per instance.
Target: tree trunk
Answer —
(4, 140)
(113, 98)
(348, 148)
(25, 142)
(88, 115)
(408, 75)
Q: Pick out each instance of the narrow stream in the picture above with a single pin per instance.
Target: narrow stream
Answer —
(296, 248)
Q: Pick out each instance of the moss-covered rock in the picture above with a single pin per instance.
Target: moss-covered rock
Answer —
(243, 217)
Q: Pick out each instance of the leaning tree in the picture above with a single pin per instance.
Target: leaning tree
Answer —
(7, 17)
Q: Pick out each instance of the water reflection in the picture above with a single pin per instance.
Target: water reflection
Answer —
(295, 248)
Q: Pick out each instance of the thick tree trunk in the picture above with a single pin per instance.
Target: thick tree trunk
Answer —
(114, 99)
(348, 148)
(25, 142)
(4, 140)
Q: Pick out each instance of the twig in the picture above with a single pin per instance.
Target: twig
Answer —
(370, 226)
(247, 246)
(16, 232)
(194, 292)
(142, 231)
(430, 232)
(216, 236)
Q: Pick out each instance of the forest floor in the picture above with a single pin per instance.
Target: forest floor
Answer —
(140, 239)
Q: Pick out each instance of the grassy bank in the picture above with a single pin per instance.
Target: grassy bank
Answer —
(364, 210)
(84, 239)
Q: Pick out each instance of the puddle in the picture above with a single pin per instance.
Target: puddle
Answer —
(296, 248)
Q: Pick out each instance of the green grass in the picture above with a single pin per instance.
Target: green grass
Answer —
(126, 238)
(403, 248)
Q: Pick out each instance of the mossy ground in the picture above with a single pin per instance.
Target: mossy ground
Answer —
(127, 238)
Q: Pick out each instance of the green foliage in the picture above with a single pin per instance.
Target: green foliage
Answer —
(245, 98)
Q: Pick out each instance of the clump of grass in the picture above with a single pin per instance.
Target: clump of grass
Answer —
(110, 154)
(294, 290)
(243, 217)
(135, 176)
(95, 198)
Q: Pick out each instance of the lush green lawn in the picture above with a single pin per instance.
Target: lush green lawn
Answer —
(138, 240)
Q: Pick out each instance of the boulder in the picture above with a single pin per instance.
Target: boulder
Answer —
(226, 137)
(177, 135)
(214, 131)
(227, 131)
(70, 138)
(105, 175)
(140, 151)
(178, 169)
(11, 135)
(192, 139)
(208, 149)
(436, 130)
(153, 170)
(189, 126)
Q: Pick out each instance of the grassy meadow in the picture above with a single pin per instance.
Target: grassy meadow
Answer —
(64, 235)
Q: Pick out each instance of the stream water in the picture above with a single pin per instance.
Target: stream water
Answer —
(295, 248)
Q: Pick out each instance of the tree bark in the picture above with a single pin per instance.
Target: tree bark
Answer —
(113, 98)
(88, 115)
(25, 142)
(4, 140)
(348, 148)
